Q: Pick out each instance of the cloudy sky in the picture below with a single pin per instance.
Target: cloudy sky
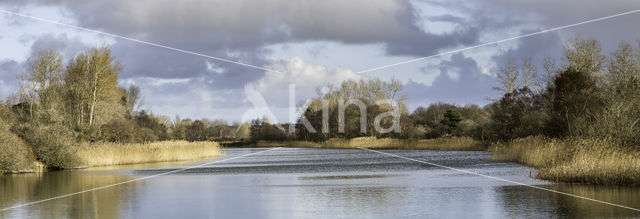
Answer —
(307, 43)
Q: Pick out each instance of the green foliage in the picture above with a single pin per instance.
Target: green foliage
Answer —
(428, 121)
(351, 96)
(575, 101)
(451, 120)
(516, 114)
(261, 129)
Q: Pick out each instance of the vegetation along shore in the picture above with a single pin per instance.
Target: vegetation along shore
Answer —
(576, 120)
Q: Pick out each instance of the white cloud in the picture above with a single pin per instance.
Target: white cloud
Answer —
(307, 77)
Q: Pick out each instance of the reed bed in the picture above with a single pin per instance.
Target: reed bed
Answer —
(105, 154)
(579, 160)
(450, 143)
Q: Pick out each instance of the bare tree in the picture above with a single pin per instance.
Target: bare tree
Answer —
(103, 77)
(584, 55)
(134, 98)
(529, 73)
(509, 77)
(44, 70)
(92, 83)
(550, 68)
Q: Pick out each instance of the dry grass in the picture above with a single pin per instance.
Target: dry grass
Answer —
(453, 143)
(303, 144)
(104, 154)
(595, 161)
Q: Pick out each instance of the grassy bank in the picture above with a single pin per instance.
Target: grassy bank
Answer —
(105, 154)
(594, 161)
(452, 143)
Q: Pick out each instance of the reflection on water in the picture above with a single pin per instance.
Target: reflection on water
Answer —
(557, 204)
(312, 183)
(24, 188)
(345, 177)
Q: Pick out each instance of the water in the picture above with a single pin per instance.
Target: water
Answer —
(311, 183)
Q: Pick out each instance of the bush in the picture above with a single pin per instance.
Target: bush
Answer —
(118, 130)
(575, 99)
(145, 135)
(87, 133)
(53, 145)
(14, 153)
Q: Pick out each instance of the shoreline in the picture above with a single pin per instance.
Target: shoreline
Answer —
(584, 161)
(90, 155)
(446, 143)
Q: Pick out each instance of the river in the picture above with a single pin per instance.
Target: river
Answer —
(311, 183)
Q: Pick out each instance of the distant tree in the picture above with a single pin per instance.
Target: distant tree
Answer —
(133, 98)
(149, 121)
(244, 132)
(517, 114)
(196, 132)
(529, 73)
(509, 77)
(451, 120)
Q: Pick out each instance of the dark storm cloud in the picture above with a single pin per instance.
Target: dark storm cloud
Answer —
(470, 87)
(9, 69)
(503, 14)
(536, 48)
(447, 18)
(242, 27)
(67, 47)
(8, 72)
(239, 30)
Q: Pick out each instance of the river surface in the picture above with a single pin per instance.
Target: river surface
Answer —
(311, 183)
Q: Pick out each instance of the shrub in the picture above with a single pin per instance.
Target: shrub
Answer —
(14, 153)
(53, 145)
(144, 135)
(117, 130)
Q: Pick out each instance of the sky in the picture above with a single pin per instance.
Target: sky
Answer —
(308, 44)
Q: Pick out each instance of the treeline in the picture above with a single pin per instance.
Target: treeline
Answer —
(362, 105)
(583, 94)
(60, 106)
(587, 95)
(356, 108)
(84, 97)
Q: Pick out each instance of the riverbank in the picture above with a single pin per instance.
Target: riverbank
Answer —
(107, 154)
(592, 161)
(449, 143)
